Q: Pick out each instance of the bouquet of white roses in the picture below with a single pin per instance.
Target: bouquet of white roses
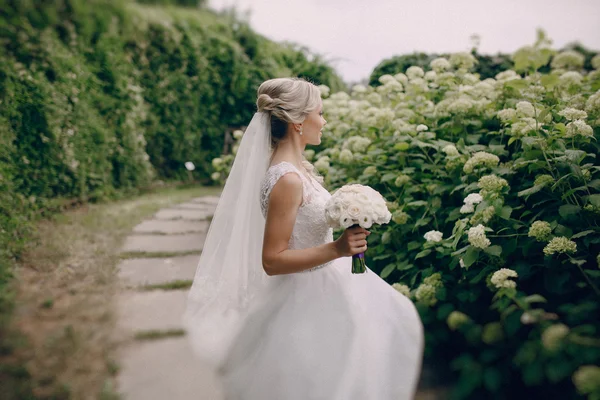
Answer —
(356, 205)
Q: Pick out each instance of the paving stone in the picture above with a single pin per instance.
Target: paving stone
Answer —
(150, 271)
(178, 213)
(198, 206)
(164, 243)
(151, 310)
(171, 226)
(207, 199)
(165, 369)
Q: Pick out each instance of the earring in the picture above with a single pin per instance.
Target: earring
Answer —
(300, 132)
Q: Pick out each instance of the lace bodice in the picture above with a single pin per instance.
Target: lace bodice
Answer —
(310, 228)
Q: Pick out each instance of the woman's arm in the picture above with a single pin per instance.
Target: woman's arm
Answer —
(284, 202)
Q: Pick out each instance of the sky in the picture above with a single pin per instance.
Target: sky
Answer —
(355, 35)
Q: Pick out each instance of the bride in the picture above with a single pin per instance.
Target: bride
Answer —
(274, 306)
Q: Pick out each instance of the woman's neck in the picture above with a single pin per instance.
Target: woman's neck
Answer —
(291, 151)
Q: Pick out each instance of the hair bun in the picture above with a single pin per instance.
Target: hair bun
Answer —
(264, 102)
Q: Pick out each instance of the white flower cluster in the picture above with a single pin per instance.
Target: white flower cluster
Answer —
(433, 236)
(324, 89)
(477, 238)
(500, 278)
(450, 150)
(579, 127)
(357, 144)
(573, 114)
(560, 244)
(470, 201)
(525, 109)
(439, 64)
(356, 205)
(402, 288)
(322, 164)
(553, 336)
(481, 159)
(346, 156)
(507, 115)
(463, 60)
(568, 59)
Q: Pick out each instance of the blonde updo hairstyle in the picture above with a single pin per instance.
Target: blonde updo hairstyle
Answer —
(288, 101)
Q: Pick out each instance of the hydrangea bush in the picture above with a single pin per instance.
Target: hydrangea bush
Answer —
(494, 187)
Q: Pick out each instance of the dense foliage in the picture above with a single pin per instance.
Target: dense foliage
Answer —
(494, 186)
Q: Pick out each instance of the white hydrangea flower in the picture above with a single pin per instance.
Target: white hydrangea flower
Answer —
(190, 165)
(421, 128)
(507, 115)
(525, 109)
(374, 98)
(467, 208)
(439, 64)
(579, 127)
(433, 236)
(481, 159)
(571, 78)
(215, 176)
(309, 154)
(324, 89)
(322, 165)
(402, 78)
(593, 103)
(473, 198)
(216, 163)
(402, 288)
(507, 75)
(415, 72)
(463, 60)
(358, 89)
(568, 59)
(384, 79)
(573, 113)
(553, 336)
(450, 150)
(237, 134)
(523, 126)
(430, 75)
(346, 156)
(460, 106)
(500, 278)
(477, 238)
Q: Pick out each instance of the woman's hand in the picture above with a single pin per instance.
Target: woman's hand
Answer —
(353, 241)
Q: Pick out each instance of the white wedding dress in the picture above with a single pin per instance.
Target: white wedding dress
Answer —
(323, 333)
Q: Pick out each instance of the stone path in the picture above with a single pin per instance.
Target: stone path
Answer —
(156, 360)
(162, 366)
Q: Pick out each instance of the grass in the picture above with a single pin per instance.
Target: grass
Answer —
(173, 285)
(154, 335)
(65, 298)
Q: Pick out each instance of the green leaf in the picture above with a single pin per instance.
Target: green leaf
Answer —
(418, 203)
(386, 237)
(505, 212)
(423, 253)
(549, 82)
(413, 245)
(582, 234)
(568, 210)
(594, 199)
(470, 256)
(388, 270)
(531, 190)
(492, 379)
(512, 140)
(388, 177)
(494, 250)
(535, 298)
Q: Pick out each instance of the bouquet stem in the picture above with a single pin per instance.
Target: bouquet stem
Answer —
(358, 264)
